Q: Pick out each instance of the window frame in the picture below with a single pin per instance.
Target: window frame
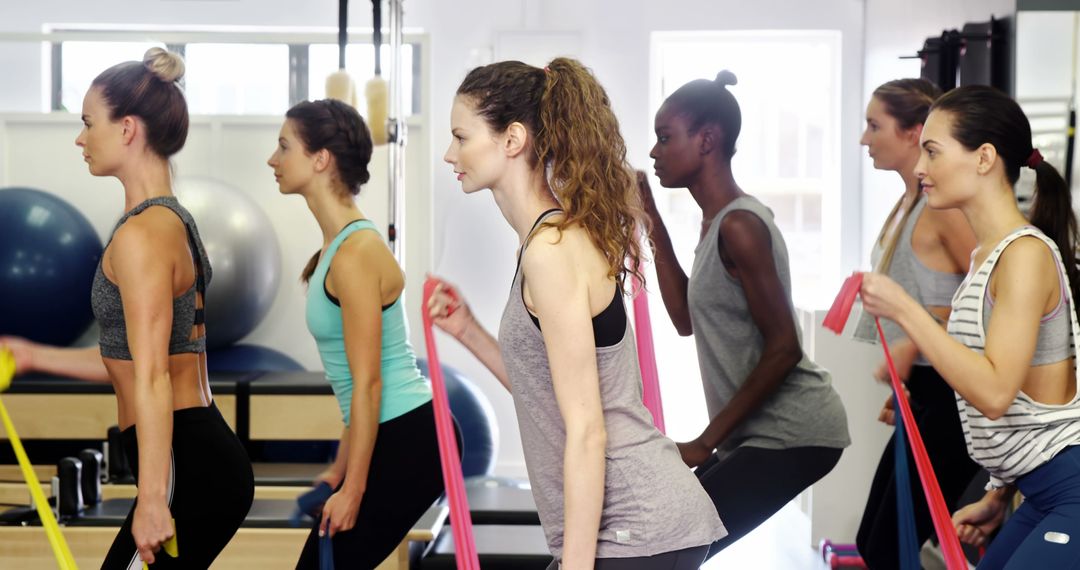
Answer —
(297, 40)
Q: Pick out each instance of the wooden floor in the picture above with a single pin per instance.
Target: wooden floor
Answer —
(252, 548)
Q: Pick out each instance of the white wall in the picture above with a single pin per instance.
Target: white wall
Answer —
(895, 29)
(472, 245)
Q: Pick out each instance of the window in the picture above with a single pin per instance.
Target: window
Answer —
(240, 79)
(81, 62)
(225, 76)
(788, 150)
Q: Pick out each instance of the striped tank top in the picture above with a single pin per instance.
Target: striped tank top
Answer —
(1030, 433)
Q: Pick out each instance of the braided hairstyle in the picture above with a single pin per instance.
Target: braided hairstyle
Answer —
(337, 127)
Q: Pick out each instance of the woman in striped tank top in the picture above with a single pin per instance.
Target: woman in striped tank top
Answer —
(1016, 392)
(927, 252)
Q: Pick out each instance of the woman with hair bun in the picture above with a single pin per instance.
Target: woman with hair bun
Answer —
(610, 489)
(776, 424)
(194, 478)
(387, 471)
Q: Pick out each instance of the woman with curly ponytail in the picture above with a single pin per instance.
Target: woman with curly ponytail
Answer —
(776, 424)
(610, 490)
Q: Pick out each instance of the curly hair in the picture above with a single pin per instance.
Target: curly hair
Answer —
(576, 136)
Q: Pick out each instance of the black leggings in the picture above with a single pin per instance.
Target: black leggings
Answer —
(753, 483)
(933, 403)
(210, 491)
(404, 480)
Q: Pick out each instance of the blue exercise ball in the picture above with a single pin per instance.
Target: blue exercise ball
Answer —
(48, 255)
(475, 418)
(249, 358)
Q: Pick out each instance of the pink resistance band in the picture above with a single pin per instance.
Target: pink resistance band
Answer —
(650, 378)
(460, 519)
(835, 320)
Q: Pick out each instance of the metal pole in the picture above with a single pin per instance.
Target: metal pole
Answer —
(396, 132)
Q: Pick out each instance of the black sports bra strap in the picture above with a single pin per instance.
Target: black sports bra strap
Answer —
(200, 277)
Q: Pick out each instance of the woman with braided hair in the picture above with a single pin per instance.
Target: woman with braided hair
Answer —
(387, 470)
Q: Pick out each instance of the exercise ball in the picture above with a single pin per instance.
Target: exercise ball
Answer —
(48, 255)
(249, 358)
(244, 254)
(475, 418)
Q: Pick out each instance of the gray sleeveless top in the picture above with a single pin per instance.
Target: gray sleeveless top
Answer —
(929, 287)
(109, 309)
(652, 501)
(805, 410)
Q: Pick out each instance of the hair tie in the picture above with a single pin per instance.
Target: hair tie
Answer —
(1035, 159)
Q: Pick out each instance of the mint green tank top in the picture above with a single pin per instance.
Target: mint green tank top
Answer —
(403, 387)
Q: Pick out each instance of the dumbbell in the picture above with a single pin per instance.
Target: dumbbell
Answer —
(841, 555)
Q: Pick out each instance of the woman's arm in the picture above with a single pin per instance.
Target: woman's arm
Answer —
(333, 474)
(145, 277)
(989, 381)
(673, 280)
(747, 242)
(355, 276)
(450, 312)
(79, 363)
(976, 522)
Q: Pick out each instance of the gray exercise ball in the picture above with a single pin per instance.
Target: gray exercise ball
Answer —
(244, 254)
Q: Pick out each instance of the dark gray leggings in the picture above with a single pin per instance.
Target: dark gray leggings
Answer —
(752, 484)
(686, 559)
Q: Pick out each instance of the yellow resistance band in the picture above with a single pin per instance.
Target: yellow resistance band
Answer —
(64, 560)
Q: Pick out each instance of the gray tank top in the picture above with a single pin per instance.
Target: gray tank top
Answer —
(1054, 342)
(652, 502)
(929, 287)
(805, 410)
(109, 309)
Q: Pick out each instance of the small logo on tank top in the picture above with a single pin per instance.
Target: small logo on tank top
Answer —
(622, 536)
(1056, 537)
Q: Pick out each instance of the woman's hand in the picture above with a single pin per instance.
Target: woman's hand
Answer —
(23, 351)
(339, 513)
(883, 297)
(694, 453)
(975, 522)
(332, 477)
(151, 526)
(449, 311)
(645, 192)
